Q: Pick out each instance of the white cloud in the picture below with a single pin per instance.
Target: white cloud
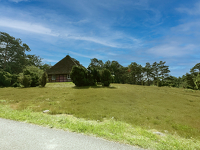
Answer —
(172, 49)
(86, 56)
(17, 1)
(26, 26)
(191, 11)
(50, 60)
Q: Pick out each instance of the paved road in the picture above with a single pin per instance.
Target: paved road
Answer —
(23, 136)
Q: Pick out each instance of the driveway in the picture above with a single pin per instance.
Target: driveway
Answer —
(23, 136)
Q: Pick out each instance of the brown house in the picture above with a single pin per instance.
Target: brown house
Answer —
(60, 72)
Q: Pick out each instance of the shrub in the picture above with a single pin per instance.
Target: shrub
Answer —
(26, 81)
(79, 76)
(43, 79)
(106, 77)
(35, 74)
(14, 79)
(5, 79)
(159, 83)
(197, 81)
(16, 84)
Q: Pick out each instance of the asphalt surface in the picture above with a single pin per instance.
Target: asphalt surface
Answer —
(23, 136)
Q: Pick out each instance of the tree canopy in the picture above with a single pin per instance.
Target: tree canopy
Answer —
(12, 53)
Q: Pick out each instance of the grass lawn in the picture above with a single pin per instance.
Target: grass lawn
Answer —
(171, 111)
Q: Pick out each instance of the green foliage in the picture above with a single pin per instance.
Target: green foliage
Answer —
(79, 76)
(26, 81)
(95, 74)
(43, 79)
(35, 74)
(12, 53)
(97, 64)
(5, 79)
(188, 78)
(106, 77)
(197, 81)
(159, 83)
(136, 71)
(195, 70)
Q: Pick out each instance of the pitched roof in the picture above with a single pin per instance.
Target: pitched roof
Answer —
(64, 66)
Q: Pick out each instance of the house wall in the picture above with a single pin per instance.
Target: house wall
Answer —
(59, 78)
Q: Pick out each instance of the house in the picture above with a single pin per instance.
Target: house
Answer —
(60, 72)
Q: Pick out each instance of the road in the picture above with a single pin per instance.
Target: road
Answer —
(23, 136)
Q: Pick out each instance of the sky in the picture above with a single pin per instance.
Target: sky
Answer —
(126, 31)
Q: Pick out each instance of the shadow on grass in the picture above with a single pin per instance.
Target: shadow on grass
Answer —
(95, 87)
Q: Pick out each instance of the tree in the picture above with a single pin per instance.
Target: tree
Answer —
(106, 77)
(5, 79)
(33, 60)
(95, 75)
(189, 80)
(123, 75)
(12, 53)
(97, 64)
(43, 79)
(163, 70)
(155, 71)
(26, 81)
(114, 68)
(45, 67)
(148, 72)
(79, 76)
(197, 81)
(196, 69)
(136, 71)
(35, 73)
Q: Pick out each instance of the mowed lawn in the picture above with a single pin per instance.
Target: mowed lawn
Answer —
(168, 110)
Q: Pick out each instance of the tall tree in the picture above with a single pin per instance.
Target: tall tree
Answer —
(12, 53)
(148, 72)
(97, 64)
(155, 71)
(136, 71)
(196, 69)
(163, 70)
(33, 60)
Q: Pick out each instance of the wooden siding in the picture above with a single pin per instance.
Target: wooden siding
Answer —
(59, 78)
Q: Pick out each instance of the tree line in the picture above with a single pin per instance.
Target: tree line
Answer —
(18, 68)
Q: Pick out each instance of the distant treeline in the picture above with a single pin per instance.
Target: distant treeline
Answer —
(151, 74)
(18, 68)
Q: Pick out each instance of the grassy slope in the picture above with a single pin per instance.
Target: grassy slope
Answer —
(165, 109)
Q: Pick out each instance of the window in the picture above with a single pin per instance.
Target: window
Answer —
(68, 76)
(53, 77)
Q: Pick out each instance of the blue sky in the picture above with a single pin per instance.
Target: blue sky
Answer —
(126, 31)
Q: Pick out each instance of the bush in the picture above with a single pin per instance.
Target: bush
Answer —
(26, 81)
(43, 79)
(16, 84)
(35, 73)
(5, 79)
(79, 76)
(159, 83)
(14, 78)
(106, 77)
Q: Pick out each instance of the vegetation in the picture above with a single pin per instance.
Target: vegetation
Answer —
(79, 76)
(43, 79)
(106, 77)
(14, 61)
(171, 109)
(122, 112)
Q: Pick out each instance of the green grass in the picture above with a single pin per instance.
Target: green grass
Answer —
(173, 111)
(108, 129)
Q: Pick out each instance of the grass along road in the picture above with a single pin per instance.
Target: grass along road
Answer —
(136, 110)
